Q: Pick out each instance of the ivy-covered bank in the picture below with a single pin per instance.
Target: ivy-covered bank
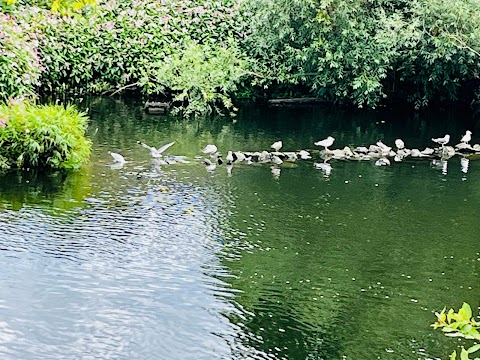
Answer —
(205, 54)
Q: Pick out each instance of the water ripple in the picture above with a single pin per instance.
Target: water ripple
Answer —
(123, 276)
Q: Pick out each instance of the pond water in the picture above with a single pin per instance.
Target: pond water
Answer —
(174, 262)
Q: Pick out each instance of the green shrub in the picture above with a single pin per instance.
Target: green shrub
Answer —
(441, 49)
(128, 44)
(364, 51)
(201, 77)
(19, 63)
(42, 136)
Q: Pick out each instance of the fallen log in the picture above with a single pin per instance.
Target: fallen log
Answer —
(297, 101)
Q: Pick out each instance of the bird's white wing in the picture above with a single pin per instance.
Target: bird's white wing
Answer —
(147, 147)
(165, 147)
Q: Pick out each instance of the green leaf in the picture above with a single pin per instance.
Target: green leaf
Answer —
(473, 348)
(464, 355)
(465, 312)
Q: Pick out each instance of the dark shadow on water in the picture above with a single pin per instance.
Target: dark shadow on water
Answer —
(57, 189)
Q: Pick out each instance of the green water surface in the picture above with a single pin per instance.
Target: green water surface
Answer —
(184, 263)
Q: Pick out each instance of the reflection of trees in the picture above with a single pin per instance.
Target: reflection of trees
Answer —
(57, 189)
(363, 276)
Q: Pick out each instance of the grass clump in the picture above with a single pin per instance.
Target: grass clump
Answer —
(42, 136)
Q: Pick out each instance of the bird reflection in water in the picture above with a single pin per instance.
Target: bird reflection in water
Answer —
(441, 164)
(325, 167)
(464, 162)
(275, 172)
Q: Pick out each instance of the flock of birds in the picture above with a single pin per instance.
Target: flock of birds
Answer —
(379, 152)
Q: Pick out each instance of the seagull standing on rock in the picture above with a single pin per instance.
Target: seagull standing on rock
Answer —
(467, 137)
(326, 143)
(399, 144)
(277, 145)
(383, 148)
(442, 141)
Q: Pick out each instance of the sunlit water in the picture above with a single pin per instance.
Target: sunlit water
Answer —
(174, 262)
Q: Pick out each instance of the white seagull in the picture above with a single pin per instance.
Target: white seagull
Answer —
(210, 149)
(157, 153)
(384, 148)
(467, 137)
(326, 143)
(229, 157)
(117, 158)
(399, 144)
(277, 145)
(442, 141)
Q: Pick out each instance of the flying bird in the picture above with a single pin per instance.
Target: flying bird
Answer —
(157, 153)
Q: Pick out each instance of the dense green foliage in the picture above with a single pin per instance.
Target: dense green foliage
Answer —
(460, 324)
(42, 136)
(364, 51)
(19, 63)
(183, 50)
(202, 54)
